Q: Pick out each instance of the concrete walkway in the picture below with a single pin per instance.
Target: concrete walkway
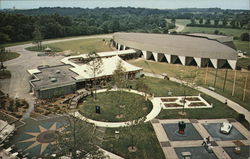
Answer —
(154, 112)
(235, 106)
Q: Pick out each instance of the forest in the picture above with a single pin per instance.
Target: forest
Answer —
(46, 23)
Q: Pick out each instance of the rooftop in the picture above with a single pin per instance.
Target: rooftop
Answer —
(108, 67)
(180, 45)
(54, 76)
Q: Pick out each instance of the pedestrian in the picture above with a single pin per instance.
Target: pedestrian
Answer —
(204, 143)
(226, 101)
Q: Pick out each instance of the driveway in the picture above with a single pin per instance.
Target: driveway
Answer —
(18, 84)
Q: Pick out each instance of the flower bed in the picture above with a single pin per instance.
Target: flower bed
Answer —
(173, 105)
(197, 104)
(168, 99)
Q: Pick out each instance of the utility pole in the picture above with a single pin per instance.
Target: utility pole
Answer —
(234, 82)
(225, 79)
(206, 75)
(215, 76)
(245, 88)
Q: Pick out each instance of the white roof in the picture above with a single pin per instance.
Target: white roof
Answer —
(32, 71)
(108, 67)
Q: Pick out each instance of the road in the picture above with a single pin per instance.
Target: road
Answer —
(18, 85)
(179, 27)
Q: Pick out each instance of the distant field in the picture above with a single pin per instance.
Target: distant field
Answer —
(243, 45)
(80, 46)
(227, 31)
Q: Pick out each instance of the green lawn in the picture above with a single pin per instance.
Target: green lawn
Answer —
(147, 143)
(8, 56)
(79, 46)
(110, 103)
(160, 87)
(243, 46)
(5, 74)
(197, 75)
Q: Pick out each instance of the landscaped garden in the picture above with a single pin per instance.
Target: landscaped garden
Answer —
(114, 106)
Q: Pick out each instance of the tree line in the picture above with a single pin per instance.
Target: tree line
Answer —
(16, 27)
(45, 23)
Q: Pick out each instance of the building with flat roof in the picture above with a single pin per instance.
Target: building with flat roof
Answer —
(184, 49)
(54, 81)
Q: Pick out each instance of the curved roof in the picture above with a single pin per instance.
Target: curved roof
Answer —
(180, 45)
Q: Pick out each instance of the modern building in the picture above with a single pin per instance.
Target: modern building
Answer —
(200, 50)
(74, 74)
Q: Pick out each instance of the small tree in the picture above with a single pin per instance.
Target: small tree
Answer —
(173, 20)
(119, 76)
(192, 21)
(142, 87)
(76, 140)
(245, 37)
(135, 127)
(95, 65)
(208, 21)
(224, 22)
(201, 20)
(37, 37)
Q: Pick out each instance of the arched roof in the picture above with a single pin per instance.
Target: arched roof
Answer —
(180, 45)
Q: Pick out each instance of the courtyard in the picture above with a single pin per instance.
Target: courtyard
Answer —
(174, 144)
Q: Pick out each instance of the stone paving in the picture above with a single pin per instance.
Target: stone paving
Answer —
(172, 147)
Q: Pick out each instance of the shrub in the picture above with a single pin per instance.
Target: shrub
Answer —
(241, 117)
(244, 37)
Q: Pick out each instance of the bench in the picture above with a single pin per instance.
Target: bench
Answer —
(211, 88)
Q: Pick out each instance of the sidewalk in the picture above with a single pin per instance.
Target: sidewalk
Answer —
(235, 106)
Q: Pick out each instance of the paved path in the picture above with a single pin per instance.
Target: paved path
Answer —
(179, 27)
(18, 84)
(235, 106)
(154, 112)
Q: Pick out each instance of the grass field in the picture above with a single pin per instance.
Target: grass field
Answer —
(8, 56)
(227, 31)
(197, 75)
(243, 45)
(80, 46)
(147, 143)
(110, 103)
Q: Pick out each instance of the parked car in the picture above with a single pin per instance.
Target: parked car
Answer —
(226, 128)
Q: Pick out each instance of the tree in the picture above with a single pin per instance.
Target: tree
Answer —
(119, 76)
(208, 21)
(173, 20)
(136, 126)
(165, 31)
(77, 140)
(233, 23)
(4, 38)
(142, 87)
(224, 22)
(216, 21)
(192, 21)
(216, 32)
(37, 37)
(201, 20)
(245, 37)
(95, 66)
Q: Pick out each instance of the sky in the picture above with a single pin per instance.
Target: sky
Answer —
(160, 4)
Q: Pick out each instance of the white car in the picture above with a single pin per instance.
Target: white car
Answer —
(225, 128)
